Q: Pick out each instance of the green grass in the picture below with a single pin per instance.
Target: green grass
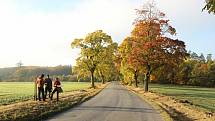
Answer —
(11, 92)
(203, 98)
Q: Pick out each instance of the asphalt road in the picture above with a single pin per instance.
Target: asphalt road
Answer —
(114, 103)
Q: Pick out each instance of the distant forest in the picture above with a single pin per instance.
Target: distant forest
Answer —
(29, 73)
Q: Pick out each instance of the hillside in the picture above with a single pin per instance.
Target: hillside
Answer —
(27, 73)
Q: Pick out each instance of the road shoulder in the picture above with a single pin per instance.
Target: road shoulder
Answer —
(164, 114)
(170, 109)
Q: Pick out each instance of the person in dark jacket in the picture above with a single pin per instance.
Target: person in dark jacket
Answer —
(57, 88)
(48, 86)
(40, 86)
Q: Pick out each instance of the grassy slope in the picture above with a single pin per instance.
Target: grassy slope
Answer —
(11, 92)
(201, 97)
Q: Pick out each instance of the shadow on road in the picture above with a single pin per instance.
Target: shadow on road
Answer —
(120, 109)
(116, 89)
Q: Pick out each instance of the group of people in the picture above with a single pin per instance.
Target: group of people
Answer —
(47, 83)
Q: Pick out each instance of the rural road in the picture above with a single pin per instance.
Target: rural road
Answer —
(114, 103)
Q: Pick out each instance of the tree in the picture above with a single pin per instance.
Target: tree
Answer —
(210, 6)
(106, 66)
(19, 64)
(202, 58)
(93, 48)
(194, 56)
(184, 72)
(209, 58)
(129, 66)
(150, 47)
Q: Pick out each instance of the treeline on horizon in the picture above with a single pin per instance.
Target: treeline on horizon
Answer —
(196, 70)
(29, 73)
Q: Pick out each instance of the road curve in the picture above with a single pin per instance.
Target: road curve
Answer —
(114, 103)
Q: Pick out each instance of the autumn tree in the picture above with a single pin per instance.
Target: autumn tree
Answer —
(130, 68)
(105, 70)
(81, 70)
(150, 47)
(93, 48)
(210, 6)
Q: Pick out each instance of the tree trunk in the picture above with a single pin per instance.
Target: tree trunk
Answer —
(135, 78)
(103, 80)
(102, 76)
(131, 83)
(147, 79)
(92, 79)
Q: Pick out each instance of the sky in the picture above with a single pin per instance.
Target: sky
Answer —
(39, 32)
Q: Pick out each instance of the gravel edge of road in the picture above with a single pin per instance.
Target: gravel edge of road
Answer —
(164, 114)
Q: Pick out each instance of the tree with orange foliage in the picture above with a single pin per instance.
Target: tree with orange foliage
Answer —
(150, 47)
(133, 66)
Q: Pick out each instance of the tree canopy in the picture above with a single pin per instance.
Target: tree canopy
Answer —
(210, 6)
(97, 49)
(148, 46)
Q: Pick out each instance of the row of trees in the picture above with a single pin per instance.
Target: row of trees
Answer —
(148, 54)
(144, 51)
(196, 70)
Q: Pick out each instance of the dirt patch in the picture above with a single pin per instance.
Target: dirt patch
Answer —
(179, 110)
(35, 110)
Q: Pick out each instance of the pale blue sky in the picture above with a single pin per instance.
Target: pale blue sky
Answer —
(39, 32)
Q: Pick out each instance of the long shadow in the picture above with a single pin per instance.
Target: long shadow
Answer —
(117, 89)
(117, 109)
(176, 115)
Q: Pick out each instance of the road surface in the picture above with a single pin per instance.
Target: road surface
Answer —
(114, 103)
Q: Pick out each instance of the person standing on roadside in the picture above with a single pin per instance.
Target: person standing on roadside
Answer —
(40, 87)
(48, 86)
(57, 88)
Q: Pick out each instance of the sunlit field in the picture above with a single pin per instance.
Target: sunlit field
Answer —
(200, 97)
(12, 92)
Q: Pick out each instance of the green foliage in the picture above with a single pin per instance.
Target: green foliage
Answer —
(200, 97)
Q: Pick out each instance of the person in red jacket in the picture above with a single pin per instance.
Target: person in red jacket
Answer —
(57, 88)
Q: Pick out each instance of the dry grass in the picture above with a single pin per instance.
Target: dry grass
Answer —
(177, 110)
(35, 110)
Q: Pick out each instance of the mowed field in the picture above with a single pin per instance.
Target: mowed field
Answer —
(202, 98)
(12, 92)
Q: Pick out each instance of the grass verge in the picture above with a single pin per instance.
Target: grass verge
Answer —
(178, 111)
(35, 110)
